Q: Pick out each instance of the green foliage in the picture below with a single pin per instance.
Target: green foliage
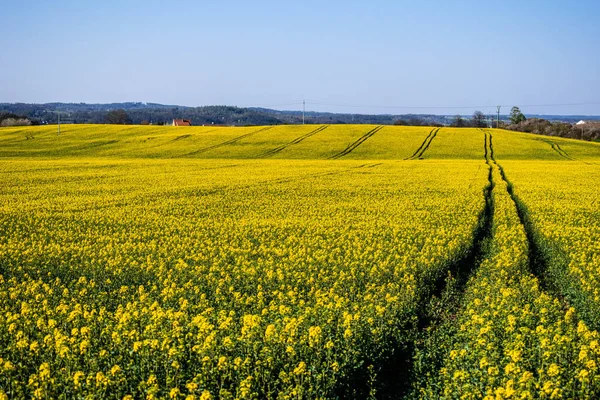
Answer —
(118, 117)
(516, 116)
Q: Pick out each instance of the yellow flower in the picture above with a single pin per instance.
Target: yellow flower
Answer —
(583, 354)
(44, 372)
(510, 368)
(548, 387)
(206, 395)
(115, 370)
(192, 387)
(569, 315)
(526, 377)
(270, 332)
(8, 366)
(515, 355)
(290, 350)
(77, 377)
(314, 335)
(300, 369)
(553, 370)
(34, 346)
(101, 379)
(509, 388)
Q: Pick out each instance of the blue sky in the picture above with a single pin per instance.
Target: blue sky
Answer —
(341, 56)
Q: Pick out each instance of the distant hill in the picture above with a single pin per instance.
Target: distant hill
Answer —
(154, 113)
(207, 115)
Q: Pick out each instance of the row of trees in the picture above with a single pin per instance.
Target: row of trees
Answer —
(479, 119)
(588, 131)
(518, 122)
(10, 119)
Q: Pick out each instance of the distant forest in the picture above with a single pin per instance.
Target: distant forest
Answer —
(159, 114)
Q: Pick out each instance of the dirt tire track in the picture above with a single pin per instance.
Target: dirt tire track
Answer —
(444, 299)
(299, 139)
(181, 137)
(352, 146)
(425, 145)
(227, 189)
(228, 142)
(539, 259)
(428, 143)
(557, 149)
(421, 146)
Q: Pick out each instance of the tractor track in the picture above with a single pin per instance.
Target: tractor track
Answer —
(298, 140)
(228, 142)
(421, 146)
(558, 149)
(352, 146)
(227, 189)
(176, 139)
(538, 256)
(314, 175)
(425, 145)
(181, 137)
(443, 299)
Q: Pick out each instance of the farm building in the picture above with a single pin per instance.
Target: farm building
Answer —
(182, 122)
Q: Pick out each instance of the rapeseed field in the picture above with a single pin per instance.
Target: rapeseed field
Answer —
(297, 262)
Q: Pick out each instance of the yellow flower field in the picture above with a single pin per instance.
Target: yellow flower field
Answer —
(197, 278)
(297, 262)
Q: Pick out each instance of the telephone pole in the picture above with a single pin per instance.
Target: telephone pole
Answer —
(498, 120)
(58, 133)
(303, 110)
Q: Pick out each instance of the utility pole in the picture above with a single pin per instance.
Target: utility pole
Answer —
(303, 110)
(58, 133)
(498, 120)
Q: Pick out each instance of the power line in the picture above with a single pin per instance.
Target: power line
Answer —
(296, 103)
(336, 104)
(326, 103)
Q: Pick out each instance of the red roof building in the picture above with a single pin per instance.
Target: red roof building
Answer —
(182, 122)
